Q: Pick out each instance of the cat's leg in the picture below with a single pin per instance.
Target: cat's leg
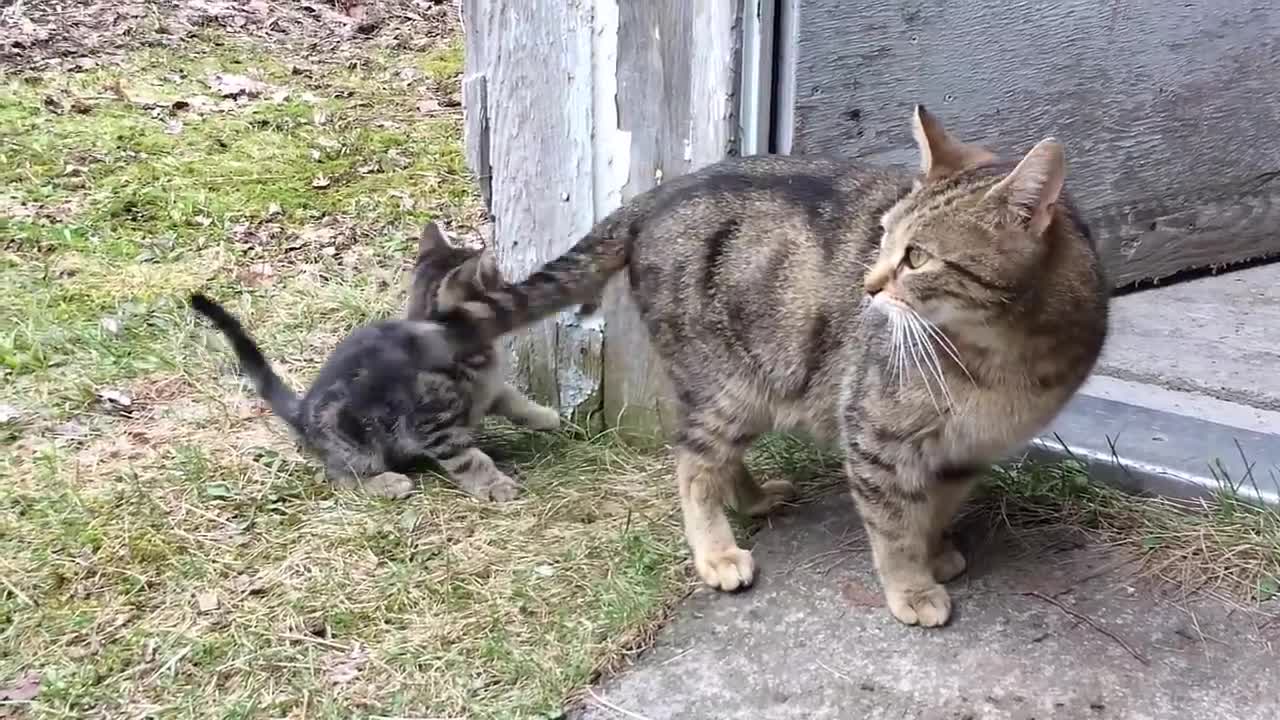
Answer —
(755, 499)
(948, 493)
(709, 450)
(511, 404)
(901, 515)
(473, 471)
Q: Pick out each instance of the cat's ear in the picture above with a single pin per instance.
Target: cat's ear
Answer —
(1033, 188)
(487, 276)
(940, 154)
(431, 239)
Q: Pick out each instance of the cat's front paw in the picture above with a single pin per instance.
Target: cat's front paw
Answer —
(726, 570)
(503, 489)
(927, 607)
(543, 418)
(496, 487)
(390, 485)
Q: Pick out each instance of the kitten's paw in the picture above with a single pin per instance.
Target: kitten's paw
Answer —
(503, 489)
(948, 564)
(726, 570)
(929, 607)
(772, 494)
(543, 418)
(388, 485)
(497, 488)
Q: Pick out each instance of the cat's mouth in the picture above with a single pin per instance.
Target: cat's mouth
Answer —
(888, 305)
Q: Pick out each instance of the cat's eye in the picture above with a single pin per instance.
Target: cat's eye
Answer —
(915, 257)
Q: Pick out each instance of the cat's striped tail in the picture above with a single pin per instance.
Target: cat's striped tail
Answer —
(283, 401)
(577, 277)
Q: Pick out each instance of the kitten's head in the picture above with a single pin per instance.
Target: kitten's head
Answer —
(445, 275)
(974, 234)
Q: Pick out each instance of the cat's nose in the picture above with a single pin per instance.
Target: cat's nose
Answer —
(875, 281)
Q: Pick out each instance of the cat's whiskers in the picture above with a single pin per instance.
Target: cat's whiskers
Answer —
(913, 346)
(895, 347)
(941, 336)
(930, 355)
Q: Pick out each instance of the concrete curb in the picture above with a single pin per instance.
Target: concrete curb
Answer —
(1145, 449)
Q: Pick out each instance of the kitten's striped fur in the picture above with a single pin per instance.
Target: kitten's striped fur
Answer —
(394, 393)
(928, 322)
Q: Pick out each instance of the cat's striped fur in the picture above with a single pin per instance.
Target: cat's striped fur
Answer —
(929, 322)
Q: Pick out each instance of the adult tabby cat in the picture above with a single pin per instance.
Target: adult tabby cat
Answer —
(929, 322)
(393, 392)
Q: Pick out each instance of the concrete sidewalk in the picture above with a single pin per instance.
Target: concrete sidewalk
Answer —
(1047, 627)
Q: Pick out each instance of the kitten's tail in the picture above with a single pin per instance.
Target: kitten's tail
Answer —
(283, 401)
(577, 277)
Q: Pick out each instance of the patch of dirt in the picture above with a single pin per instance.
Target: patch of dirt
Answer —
(71, 35)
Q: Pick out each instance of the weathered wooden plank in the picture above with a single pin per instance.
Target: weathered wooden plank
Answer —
(1168, 109)
(528, 69)
(676, 83)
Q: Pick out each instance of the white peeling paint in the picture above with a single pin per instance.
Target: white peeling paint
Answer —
(611, 146)
(712, 79)
(610, 172)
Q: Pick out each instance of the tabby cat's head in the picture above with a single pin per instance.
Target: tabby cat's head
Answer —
(974, 233)
(445, 275)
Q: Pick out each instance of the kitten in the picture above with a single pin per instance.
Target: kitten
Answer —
(928, 322)
(393, 393)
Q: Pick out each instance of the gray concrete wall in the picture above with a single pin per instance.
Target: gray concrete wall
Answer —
(1170, 110)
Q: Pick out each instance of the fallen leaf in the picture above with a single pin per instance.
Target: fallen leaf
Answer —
(346, 668)
(231, 85)
(207, 601)
(116, 400)
(9, 413)
(22, 689)
(249, 585)
(195, 103)
(320, 182)
(55, 104)
(220, 491)
(257, 275)
(860, 596)
(70, 430)
(409, 520)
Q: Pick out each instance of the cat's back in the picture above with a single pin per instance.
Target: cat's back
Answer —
(378, 357)
(759, 261)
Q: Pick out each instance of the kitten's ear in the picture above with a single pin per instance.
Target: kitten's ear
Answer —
(487, 276)
(1032, 189)
(941, 154)
(431, 239)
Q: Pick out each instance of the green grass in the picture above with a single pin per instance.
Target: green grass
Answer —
(183, 559)
(111, 209)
